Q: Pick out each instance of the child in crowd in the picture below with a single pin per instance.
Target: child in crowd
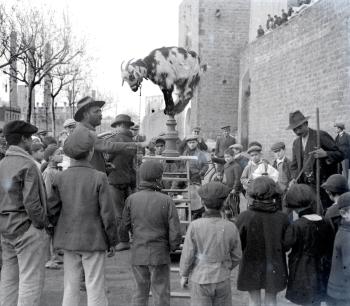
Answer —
(262, 229)
(37, 150)
(239, 157)
(152, 218)
(310, 238)
(339, 280)
(232, 179)
(212, 248)
(53, 156)
(86, 226)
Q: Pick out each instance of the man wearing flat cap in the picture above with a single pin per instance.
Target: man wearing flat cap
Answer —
(222, 143)
(122, 176)
(23, 219)
(305, 153)
(343, 142)
(201, 143)
(89, 116)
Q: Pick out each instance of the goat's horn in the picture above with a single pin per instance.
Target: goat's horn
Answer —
(128, 63)
(121, 66)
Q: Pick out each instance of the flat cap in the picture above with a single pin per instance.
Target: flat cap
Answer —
(336, 183)
(340, 125)
(214, 191)
(19, 127)
(78, 142)
(225, 127)
(236, 146)
(191, 137)
(69, 122)
(344, 200)
(262, 188)
(196, 128)
(151, 170)
(254, 149)
(49, 151)
(278, 146)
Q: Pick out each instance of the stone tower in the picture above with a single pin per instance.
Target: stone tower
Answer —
(217, 31)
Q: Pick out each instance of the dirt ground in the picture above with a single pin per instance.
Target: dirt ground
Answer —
(120, 285)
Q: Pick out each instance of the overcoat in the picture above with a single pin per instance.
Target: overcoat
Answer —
(222, 143)
(343, 143)
(263, 264)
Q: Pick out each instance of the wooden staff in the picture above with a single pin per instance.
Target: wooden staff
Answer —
(318, 201)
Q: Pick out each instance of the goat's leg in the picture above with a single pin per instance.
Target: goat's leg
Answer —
(185, 96)
(169, 103)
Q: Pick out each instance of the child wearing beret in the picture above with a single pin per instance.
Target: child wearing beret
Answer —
(212, 248)
(339, 280)
(86, 227)
(310, 238)
(262, 228)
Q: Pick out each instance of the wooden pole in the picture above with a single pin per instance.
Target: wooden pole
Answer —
(318, 200)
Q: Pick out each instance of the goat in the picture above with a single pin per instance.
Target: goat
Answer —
(170, 68)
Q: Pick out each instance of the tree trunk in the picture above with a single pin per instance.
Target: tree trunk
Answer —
(53, 116)
(29, 102)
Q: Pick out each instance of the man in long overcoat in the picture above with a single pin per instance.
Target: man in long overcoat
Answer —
(343, 142)
(305, 153)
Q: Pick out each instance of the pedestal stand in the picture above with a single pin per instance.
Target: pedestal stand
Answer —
(171, 138)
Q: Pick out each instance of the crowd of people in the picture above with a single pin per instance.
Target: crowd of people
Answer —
(82, 198)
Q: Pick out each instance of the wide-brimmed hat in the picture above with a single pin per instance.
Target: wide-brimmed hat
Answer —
(85, 103)
(122, 118)
(296, 119)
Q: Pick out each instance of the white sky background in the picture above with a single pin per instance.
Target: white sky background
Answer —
(117, 30)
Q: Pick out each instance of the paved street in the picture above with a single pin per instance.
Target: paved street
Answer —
(120, 286)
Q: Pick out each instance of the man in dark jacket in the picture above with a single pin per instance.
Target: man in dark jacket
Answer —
(222, 143)
(23, 219)
(343, 142)
(89, 116)
(122, 176)
(305, 153)
(152, 217)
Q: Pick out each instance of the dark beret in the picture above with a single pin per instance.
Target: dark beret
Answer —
(300, 196)
(214, 191)
(19, 127)
(78, 142)
(262, 188)
(344, 200)
(278, 146)
(336, 183)
(151, 170)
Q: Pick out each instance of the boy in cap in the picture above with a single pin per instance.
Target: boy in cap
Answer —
(23, 219)
(282, 164)
(81, 202)
(239, 157)
(339, 280)
(152, 218)
(212, 248)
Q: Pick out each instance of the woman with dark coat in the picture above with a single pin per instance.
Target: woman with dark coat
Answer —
(310, 238)
(262, 228)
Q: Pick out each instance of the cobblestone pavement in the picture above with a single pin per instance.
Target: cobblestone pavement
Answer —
(120, 286)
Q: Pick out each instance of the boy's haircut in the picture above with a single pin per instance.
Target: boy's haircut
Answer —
(229, 152)
(300, 196)
(214, 204)
(82, 155)
(36, 147)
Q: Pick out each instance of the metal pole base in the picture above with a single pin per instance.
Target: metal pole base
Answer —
(171, 138)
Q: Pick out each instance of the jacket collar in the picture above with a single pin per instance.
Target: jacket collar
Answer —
(212, 214)
(88, 125)
(145, 185)
(79, 163)
(125, 133)
(18, 151)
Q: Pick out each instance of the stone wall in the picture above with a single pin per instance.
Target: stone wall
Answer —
(302, 65)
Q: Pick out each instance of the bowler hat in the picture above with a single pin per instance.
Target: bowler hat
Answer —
(214, 191)
(19, 127)
(296, 119)
(336, 183)
(79, 142)
(122, 118)
(151, 170)
(254, 149)
(344, 200)
(278, 146)
(340, 125)
(300, 196)
(69, 122)
(83, 105)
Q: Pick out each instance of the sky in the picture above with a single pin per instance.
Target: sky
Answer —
(117, 31)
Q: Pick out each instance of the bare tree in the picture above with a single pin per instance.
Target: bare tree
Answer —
(50, 47)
